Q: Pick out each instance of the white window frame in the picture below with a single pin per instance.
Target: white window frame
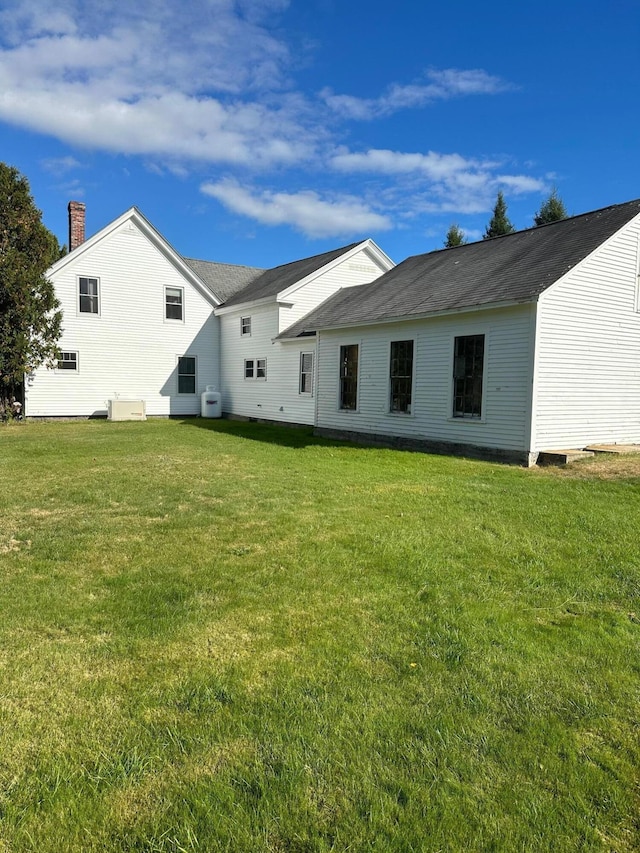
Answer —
(245, 327)
(309, 373)
(254, 365)
(62, 358)
(411, 412)
(194, 374)
(91, 296)
(358, 345)
(166, 304)
(459, 419)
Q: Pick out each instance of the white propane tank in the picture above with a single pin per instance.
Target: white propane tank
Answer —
(211, 403)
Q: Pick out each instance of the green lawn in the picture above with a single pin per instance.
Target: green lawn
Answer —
(221, 636)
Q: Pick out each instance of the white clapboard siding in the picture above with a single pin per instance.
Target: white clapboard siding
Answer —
(507, 385)
(360, 268)
(588, 355)
(277, 397)
(129, 351)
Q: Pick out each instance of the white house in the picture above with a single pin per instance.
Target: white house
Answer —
(267, 377)
(141, 322)
(504, 348)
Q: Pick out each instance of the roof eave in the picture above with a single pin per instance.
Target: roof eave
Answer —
(428, 315)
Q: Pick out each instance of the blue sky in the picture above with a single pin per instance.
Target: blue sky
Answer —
(261, 131)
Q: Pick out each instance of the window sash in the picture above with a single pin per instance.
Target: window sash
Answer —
(89, 302)
(349, 376)
(249, 367)
(306, 373)
(173, 298)
(186, 374)
(261, 368)
(400, 376)
(68, 361)
(245, 325)
(468, 372)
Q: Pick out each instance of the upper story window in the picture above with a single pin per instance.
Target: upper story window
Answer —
(245, 325)
(174, 303)
(401, 376)
(468, 370)
(89, 295)
(186, 374)
(349, 376)
(68, 361)
(306, 373)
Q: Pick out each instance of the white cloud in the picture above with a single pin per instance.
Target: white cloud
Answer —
(152, 80)
(60, 165)
(453, 183)
(305, 211)
(212, 87)
(441, 85)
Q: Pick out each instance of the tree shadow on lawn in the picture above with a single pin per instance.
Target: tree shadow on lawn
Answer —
(284, 435)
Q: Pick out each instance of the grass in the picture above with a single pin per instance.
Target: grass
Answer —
(230, 637)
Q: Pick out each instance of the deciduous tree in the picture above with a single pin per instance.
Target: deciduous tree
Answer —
(30, 321)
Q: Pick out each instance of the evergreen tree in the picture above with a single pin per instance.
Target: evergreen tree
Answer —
(551, 210)
(30, 321)
(455, 237)
(499, 223)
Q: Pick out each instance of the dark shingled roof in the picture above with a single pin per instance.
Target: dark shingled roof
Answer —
(515, 268)
(272, 281)
(223, 280)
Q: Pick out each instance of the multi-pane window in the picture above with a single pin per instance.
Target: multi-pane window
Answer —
(88, 292)
(349, 376)
(306, 372)
(401, 376)
(173, 303)
(468, 368)
(68, 361)
(186, 374)
(245, 325)
(255, 368)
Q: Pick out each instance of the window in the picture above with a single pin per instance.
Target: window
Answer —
(186, 374)
(245, 325)
(468, 367)
(306, 373)
(349, 376)
(173, 303)
(255, 368)
(401, 376)
(88, 292)
(68, 361)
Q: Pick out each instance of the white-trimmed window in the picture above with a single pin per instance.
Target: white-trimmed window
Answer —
(186, 374)
(174, 303)
(255, 368)
(400, 376)
(468, 372)
(349, 377)
(68, 360)
(306, 373)
(88, 295)
(245, 325)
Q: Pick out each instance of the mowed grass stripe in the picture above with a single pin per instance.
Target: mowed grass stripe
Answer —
(223, 636)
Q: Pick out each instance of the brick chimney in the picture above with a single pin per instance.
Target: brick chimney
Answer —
(76, 224)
